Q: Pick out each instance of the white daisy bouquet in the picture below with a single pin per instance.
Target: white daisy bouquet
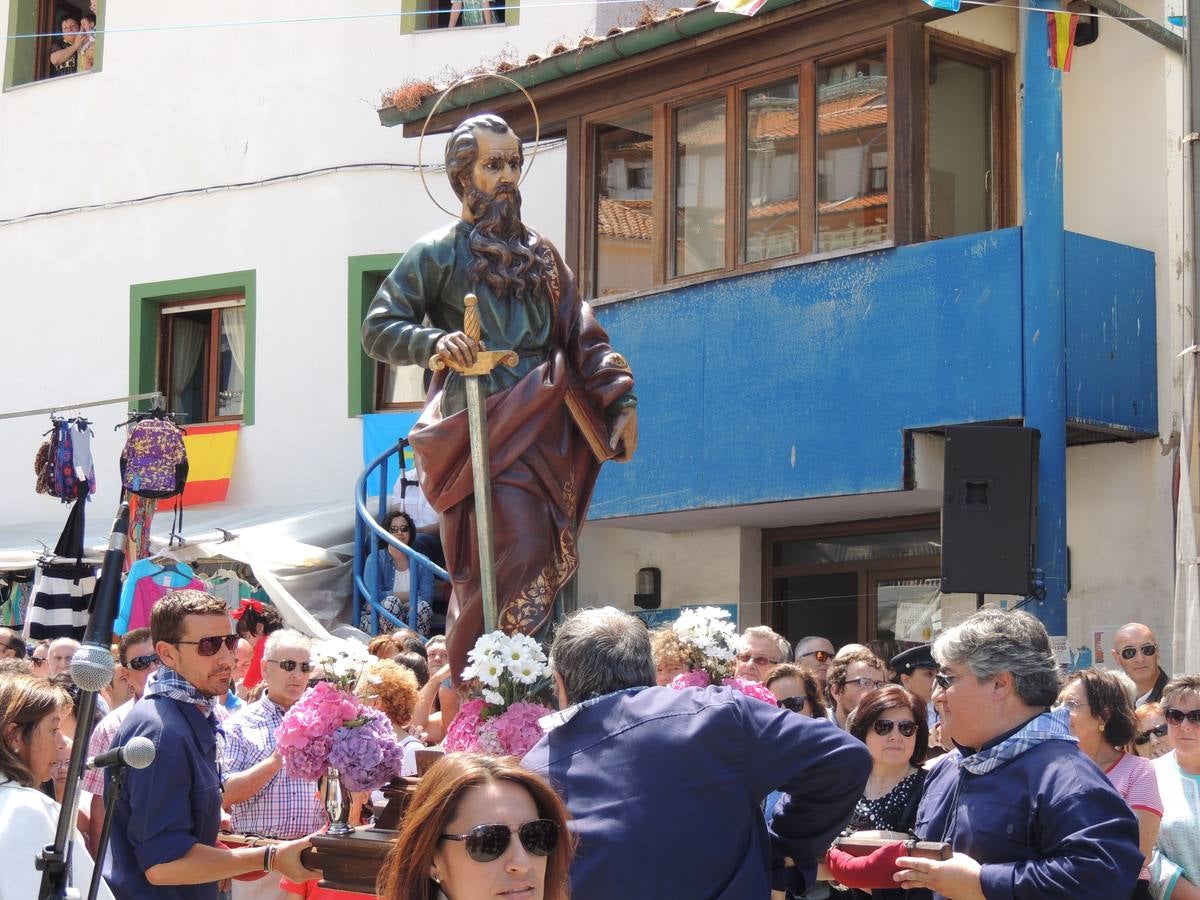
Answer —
(710, 640)
(508, 672)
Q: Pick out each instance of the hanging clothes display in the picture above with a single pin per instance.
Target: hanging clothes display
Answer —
(14, 598)
(141, 514)
(229, 587)
(59, 602)
(148, 582)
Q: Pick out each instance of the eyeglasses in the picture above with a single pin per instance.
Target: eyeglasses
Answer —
(821, 655)
(36, 661)
(140, 663)
(20, 649)
(945, 682)
(795, 704)
(210, 646)
(1070, 703)
(1176, 716)
(1143, 737)
(289, 665)
(399, 529)
(884, 726)
(745, 657)
(1131, 652)
(486, 843)
(865, 682)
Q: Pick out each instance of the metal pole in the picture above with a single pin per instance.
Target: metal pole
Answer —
(1193, 141)
(1043, 288)
(1135, 20)
(482, 475)
(150, 395)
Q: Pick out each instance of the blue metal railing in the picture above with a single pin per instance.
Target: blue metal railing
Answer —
(367, 530)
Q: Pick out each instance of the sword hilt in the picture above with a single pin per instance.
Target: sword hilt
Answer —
(486, 360)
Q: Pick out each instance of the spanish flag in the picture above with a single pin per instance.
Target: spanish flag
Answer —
(1061, 27)
(210, 450)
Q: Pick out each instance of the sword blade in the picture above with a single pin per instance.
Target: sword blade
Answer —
(482, 476)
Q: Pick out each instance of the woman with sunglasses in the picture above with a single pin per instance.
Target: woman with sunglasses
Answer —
(891, 722)
(392, 578)
(32, 711)
(796, 688)
(37, 659)
(480, 827)
(1152, 739)
(1101, 717)
(1175, 863)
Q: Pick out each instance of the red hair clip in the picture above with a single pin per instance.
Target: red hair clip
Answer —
(247, 604)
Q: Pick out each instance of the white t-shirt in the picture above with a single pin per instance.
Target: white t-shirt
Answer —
(400, 584)
(28, 820)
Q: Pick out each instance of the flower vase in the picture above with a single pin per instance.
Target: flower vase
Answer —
(337, 803)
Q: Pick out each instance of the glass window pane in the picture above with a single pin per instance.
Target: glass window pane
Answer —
(402, 385)
(187, 364)
(852, 152)
(624, 183)
(700, 187)
(960, 147)
(858, 547)
(772, 214)
(231, 363)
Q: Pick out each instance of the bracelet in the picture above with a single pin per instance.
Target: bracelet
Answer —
(271, 850)
(266, 863)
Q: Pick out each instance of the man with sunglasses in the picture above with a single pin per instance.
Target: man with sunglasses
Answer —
(167, 815)
(815, 653)
(12, 645)
(261, 797)
(666, 787)
(1024, 810)
(1135, 648)
(136, 663)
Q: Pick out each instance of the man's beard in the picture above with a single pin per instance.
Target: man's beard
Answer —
(503, 259)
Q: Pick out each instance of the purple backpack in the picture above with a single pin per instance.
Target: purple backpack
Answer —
(154, 460)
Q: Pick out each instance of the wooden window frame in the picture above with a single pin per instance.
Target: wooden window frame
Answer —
(166, 319)
(907, 45)
(863, 568)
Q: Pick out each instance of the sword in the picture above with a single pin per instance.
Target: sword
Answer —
(481, 472)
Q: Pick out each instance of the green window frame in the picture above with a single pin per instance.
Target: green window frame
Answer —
(364, 272)
(21, 56)
(145, 308)
(415, 15)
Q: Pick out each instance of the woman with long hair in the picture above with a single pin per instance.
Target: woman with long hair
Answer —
(796, 688)
(393, 579)
(477, 827)
(1102, 719)
(32, 711)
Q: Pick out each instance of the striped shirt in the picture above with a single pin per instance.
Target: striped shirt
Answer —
(1134, 778)
(285, 807)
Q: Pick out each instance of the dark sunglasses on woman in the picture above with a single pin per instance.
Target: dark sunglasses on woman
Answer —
(141, 663)
(211, 646)
(795, 704)
(1131, 652)
(884, 726)
(486, 843)
(1143, 737)
(1176, 716)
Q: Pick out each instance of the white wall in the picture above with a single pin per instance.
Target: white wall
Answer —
(174, 110)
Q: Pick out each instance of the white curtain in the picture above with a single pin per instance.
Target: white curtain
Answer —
(187, 345)
(233, 323)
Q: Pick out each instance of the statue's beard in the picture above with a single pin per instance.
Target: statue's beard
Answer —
(503, 259)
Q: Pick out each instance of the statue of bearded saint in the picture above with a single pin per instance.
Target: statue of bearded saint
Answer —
(543, 468)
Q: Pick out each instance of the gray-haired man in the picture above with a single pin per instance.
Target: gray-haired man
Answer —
(666, 787)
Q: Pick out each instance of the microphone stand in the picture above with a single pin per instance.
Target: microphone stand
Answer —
(110, 805)
(91, 669)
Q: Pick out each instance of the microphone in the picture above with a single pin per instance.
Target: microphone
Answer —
(92, 665)
(137, 753)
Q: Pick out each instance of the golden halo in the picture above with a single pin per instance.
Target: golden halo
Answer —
(467, 79)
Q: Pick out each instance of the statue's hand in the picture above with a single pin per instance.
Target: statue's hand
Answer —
(457, 350)
(625, 430)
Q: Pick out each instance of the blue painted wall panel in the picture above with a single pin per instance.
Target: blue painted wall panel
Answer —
(800, 381)
(1112, 370)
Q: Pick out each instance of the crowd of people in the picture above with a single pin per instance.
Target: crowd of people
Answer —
(1037, 785)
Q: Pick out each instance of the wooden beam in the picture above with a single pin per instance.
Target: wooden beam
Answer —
(907, 132)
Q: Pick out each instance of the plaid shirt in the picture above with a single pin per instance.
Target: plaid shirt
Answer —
(102, 738)
(286, 807)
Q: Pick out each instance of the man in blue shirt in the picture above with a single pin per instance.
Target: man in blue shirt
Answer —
(666, 787)
(167, 816)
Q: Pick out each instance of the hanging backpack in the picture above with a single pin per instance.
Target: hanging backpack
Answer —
(154, 460)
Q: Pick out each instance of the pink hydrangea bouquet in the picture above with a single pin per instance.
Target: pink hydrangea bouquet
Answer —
(329, 728)
(508, 672)
(710, 641)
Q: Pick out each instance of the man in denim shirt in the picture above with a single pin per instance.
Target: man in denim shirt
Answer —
(167, 815)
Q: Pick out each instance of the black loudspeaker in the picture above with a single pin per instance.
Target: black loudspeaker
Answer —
(989, 509)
